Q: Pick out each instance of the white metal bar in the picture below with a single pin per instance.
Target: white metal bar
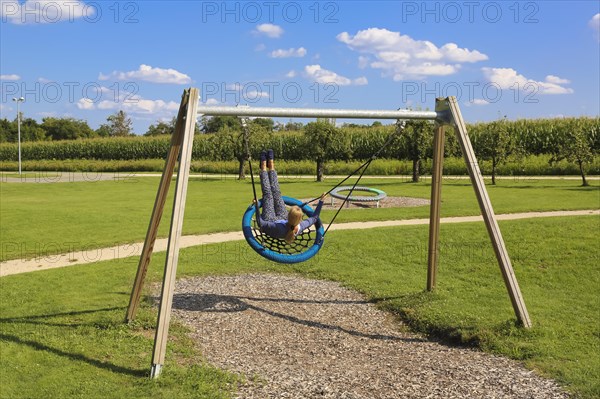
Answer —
(317, 113)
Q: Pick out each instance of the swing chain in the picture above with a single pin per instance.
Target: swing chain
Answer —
(246, 132)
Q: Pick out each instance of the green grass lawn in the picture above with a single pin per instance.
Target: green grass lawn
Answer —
(62, 332)
(44, 219)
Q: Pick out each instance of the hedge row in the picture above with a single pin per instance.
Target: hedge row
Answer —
(533, 137)
(537, 165)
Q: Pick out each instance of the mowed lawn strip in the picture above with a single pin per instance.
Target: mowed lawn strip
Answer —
(45, 219)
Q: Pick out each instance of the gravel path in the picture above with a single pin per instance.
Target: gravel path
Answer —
(299, 338)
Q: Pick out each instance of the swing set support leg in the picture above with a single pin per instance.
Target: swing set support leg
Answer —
(449, 113)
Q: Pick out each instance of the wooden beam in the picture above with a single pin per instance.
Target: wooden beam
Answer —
(434, 207)
(168, 286)
(159, 205)
(489, 217)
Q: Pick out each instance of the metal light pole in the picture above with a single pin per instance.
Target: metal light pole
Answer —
(19, 101)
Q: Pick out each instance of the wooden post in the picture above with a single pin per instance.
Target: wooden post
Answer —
(168, 286)
(159, 205)
(434, 208)
(489, 217)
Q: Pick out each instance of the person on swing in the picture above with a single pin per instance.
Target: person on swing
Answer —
(275, 220)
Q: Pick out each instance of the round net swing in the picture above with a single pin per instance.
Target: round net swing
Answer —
(305, 246)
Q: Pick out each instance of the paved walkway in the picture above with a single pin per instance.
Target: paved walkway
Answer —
(17, 266)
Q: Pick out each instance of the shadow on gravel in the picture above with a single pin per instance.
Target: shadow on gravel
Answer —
(228, 303)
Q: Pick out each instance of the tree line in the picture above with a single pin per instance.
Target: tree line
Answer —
(55, 129)
(574, 139)
(117, 125)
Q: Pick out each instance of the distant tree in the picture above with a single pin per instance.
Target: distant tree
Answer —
(103, 131)
(293, 126)
(324, 142)
(6, 128)
(265, 123)
(216, 123)
(376, 124)
(161, 128)
(354, 125)
(495, 144)
(119, 124)
(66, 128)
(577, 146)
(416, 143)
(30, 130)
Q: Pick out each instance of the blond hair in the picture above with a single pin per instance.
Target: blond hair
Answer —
(294, 219)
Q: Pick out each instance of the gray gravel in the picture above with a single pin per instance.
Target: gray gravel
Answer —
(298, 338)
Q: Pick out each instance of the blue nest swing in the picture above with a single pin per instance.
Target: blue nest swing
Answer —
(305, 246)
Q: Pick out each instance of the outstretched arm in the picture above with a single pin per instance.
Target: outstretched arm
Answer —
(305, 224)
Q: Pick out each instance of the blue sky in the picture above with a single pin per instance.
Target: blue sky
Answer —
(88, 60)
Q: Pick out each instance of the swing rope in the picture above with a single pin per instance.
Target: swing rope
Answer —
(400, 125)
(309, 242)
(246, 132)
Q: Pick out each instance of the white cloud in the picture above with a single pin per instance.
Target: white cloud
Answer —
(291, 74)
(10, 77)
(260, 47)
(150, 74)
(401, 56)
(556, 80)
(46, 114)
(132, 104)
(249, 91)
(594, 23)
(324, 76)
(508, 78)
(269, 30)
(85, 103)
(477, 101)
(234, 86)
(45, 11)
(211, 101)
(363, 62)
(291, 52)
(255, 95)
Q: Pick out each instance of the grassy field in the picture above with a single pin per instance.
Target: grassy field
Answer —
(62, 332)
(45, 219)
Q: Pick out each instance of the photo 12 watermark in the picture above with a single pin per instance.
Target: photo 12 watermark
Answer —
(470, 92)
(69, 177)
(49, 254)
(50, 12)
(71, 92)
(268, 92)
(270, 12)
(470, 11)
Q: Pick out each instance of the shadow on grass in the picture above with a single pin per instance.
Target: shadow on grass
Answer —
(229, 304)
(39, 320)
(74, 356)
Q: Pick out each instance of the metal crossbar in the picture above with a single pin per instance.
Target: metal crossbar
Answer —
(321, 113)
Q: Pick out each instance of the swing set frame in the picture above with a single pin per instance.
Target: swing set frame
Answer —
(447, 113)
